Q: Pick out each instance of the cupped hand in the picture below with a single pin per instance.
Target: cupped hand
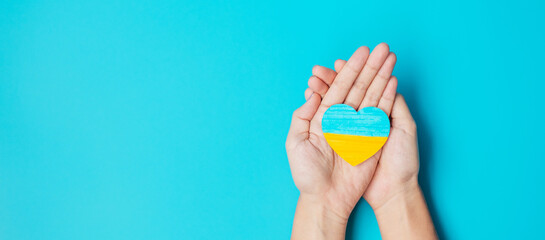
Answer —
(398, 162)
(318, 172)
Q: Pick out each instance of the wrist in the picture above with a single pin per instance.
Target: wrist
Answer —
(405, 215)
(394, 193)
(323, 210)
(315, 219)
(398, 198)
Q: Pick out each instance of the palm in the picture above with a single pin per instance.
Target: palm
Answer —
(322, 171)
(398, 162)
(316, 168)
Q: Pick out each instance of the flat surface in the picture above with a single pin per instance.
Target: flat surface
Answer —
(167, 119)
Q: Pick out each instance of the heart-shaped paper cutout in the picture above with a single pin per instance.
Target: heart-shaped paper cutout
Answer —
(355, 136)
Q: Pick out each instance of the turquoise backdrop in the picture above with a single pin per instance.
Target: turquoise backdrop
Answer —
(167, 119)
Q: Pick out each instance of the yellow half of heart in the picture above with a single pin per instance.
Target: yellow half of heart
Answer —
(354, 149)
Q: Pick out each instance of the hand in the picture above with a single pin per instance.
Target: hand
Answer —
(394, 193)
(398, 166)
(326, 181)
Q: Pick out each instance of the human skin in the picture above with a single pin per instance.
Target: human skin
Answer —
(329, 186)
(393, 193)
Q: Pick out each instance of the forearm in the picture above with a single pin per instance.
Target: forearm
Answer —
(406, 216)
(314, 220)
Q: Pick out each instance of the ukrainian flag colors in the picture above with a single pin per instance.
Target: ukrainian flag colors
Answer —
(355, 136)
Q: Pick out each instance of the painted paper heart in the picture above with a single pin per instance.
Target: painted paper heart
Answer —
(355, 136)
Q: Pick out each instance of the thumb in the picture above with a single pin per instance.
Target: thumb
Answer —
(401, 116)
(300, 122)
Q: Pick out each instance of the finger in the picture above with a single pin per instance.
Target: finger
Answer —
(339, 64)
(317, 85)
(358, 91)
(308, 92)
(401, 116)
(346, 77)
(326, 74)
(375, 90)
(300, 122)
(387, 100)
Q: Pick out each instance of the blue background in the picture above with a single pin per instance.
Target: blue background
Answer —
(167, 119)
